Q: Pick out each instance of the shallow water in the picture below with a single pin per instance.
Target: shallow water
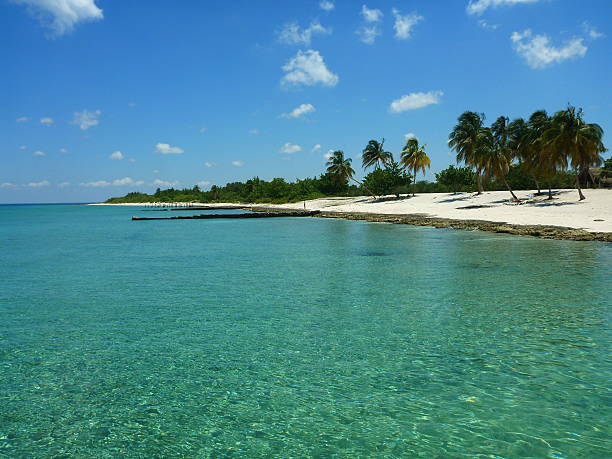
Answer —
(297, 337)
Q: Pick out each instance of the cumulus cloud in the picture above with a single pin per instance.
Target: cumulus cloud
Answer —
(62, 15)
(410, 135)
(590, 30)
(37, 184)
(238, 163)
(8, 185)
(329, 154)
(123, 181)
(22, 119)
(316, 148)
(86, 119)
(292, 34)
(46, 121)
(371, 15)
(23, 147)
(480, 6)
(207, 164)
(326, 5)
(99, 183)
(158, 182)
(63, 150)
(301, 110)
(166, 149)
(203, 183)
(308, 68)
(415, 100)
(539, 53)
(368, 34)
(117, 155)
(290, 148)
(39, 153)
(404, 24)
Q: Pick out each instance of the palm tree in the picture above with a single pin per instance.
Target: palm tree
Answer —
(341, 168)
(519, 144)
(415, 158)
(543, 160)
(580, 143)
(466, 139)
(498, 156)
(374, 154)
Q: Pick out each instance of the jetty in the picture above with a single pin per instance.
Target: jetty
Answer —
(266, 214)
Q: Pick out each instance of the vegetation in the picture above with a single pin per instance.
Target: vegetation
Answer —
(557, 150)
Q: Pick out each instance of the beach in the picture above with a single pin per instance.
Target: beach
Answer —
(593, 215)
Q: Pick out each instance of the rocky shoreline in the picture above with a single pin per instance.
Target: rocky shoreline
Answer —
(540, 231)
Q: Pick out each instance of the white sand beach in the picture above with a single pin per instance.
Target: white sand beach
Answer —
(593, 214)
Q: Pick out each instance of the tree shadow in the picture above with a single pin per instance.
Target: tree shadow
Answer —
(462, 197)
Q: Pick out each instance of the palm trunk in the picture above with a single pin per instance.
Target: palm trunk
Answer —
(510, 189)
(549, 191)
(582, 197)
(414, 184)
(479, 182)
(361, 184)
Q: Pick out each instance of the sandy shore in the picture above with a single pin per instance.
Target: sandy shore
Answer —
(593, 214)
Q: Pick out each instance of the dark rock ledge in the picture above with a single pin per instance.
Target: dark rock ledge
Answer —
(541, 231)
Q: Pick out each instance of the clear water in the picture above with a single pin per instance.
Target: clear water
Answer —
(297, 338)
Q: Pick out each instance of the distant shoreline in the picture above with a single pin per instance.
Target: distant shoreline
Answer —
(562, 218)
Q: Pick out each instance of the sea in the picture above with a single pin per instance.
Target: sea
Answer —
(297, 337)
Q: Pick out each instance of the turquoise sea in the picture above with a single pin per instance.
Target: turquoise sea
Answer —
(297, 337)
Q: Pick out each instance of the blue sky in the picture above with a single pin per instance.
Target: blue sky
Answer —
(102, 97)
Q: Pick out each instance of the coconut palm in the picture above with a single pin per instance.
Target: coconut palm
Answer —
(495, 155)
(374, 154)
(519, 144)
(579, 142)
(341, 168)
(414, 158)
(544, 160)
(466, 139)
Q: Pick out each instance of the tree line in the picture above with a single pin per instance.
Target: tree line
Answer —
(556, 150)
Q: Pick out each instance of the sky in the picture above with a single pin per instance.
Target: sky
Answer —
(103, 97)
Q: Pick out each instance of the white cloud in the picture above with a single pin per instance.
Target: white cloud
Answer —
(415, 100)
(253, 131)
(329, 154)
(86, 119)
(308, 68)
(62, 15)
(158, 182)
(39, 153)
(485, 25)
(207, 164)
(203, 183)
(22, 119)
(238, 163)
(117, 155)
(371, 15)
(480, 6)
(139, 182)
(326, 5)
(410, 135)
(290, 148)
(590, 30)
(124, 181)
(8, 185)
(37, 184)
(64, 184)
(539, 53)
(63, 150)
(23, 147)
(99, 183)
(404, 24)
(316, 148)
(303, 109)
(166, 149)
(291, 34)
(46, 121)
(368, 34)
(155, 171)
